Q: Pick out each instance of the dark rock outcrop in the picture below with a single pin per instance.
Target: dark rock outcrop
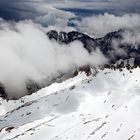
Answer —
(3, 93)
(63, 37)
(86, 69)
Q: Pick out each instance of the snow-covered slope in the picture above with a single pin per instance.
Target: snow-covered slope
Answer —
(105, 106)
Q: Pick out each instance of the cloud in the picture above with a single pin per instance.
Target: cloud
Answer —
(25, 9)
(55, 18)
(26, 53)
(131, 37)
(117, 6)
(100, 25)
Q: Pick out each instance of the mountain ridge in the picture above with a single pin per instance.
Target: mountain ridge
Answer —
(122, 50)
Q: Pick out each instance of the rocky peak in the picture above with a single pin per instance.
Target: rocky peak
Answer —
(105, 44)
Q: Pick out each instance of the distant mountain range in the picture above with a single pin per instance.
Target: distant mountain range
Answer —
(121, 51)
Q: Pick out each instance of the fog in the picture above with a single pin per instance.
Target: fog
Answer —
(100, 25)
(26, 53)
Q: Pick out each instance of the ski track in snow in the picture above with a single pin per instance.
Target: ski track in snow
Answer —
(101, 107)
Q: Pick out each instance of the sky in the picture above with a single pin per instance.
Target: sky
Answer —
(25, 9)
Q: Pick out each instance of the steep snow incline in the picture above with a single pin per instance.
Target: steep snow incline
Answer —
(101, 107)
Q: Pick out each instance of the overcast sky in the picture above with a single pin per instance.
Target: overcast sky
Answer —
(22, 9)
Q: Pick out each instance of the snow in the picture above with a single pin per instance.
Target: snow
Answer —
(101, 107)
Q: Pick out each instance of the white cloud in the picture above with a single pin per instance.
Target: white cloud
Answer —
(131, 37)
(26, 53)
(55, 17)
(101, 24)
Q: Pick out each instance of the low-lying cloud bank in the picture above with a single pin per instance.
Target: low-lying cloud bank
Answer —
(26, 53)
(99, 25)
